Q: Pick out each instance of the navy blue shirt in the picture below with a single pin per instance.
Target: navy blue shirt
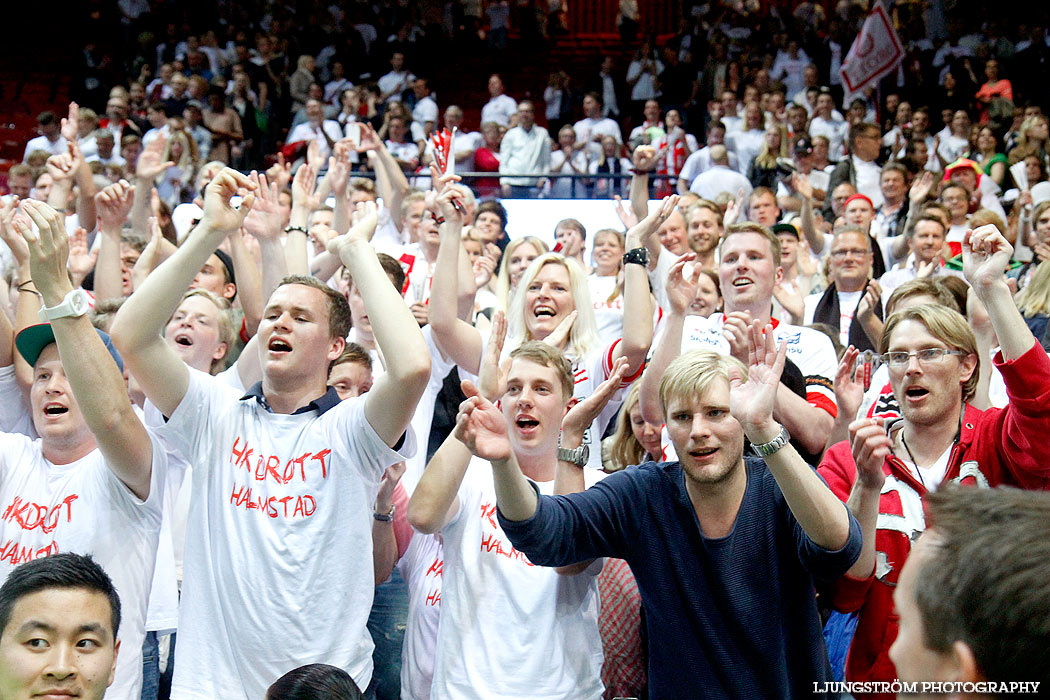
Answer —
(733, 617)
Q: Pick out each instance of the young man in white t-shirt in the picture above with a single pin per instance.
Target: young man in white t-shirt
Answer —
(509, 628)
(278, 558)
(92, 482)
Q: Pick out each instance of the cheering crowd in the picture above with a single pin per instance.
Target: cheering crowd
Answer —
(273, 365)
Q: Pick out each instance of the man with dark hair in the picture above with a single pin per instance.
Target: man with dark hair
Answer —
(50, 139)
(859, 167)
(284, 474)
(969, 617)
(59, 617)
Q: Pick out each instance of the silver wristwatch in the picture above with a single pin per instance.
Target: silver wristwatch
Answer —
(76, 303)
(579, 456)
(768, 448)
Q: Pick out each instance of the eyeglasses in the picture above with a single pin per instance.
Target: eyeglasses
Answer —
(853, 252)
(925, 357)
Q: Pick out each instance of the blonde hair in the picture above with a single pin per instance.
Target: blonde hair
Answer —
(622, 240)
(503, 290)
(1034, 299)
(946, 325)
(767, 159)
(691, 374)
(583, 338)
(624, 448)
(546, 355)
(227, 335)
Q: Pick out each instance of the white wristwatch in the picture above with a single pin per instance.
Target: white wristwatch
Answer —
(76, 303)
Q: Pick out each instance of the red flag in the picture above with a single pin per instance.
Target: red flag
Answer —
(876, 51)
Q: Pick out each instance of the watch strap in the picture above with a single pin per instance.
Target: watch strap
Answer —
(767, 448)
(636, 256)
(384, 517)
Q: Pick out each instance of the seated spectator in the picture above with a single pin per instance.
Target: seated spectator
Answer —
(566, 159)
(992, 162)
(827, 123)
(845, 300)
(299, 82)
(859, 168)
(1033, 139)
(926, 239)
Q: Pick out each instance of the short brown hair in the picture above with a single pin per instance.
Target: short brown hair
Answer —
(354, 354)
(338, 308)
(921, 287)
(948, 326)
(390, 266)
(548, 356)
(752, 227)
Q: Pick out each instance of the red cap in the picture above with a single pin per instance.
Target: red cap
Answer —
(865, 197)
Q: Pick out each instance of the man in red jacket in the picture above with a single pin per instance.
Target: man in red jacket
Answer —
(885, 469)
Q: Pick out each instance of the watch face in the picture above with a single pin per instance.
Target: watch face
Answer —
(79, 304)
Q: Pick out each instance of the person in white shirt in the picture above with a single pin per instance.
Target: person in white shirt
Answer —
(642, 76)
(747, 142)
(50, 139)
(526, 149)
(700, 161)
(326, 132)
(397, 80)
(789, 67)
(720, 177)
(824, 123)
(956, 143)
(925, 245)
(467, 142)
(105, 149)
(92, 482)
(810, 81)
(426, 110)
(284, 475)
(500, 108)
(729, 109)
(593, 126)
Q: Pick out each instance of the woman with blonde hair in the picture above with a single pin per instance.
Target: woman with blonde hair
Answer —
(1032, 140)
(763, 169)
(175, 184)
(517, 256)
(552, 303)
(1034, 300)
(635, 440)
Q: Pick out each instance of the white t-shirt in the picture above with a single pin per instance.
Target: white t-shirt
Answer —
(422, 419)
(510, 629)
(499, 109)
(847, 305)
(810, 350)
(835, 131)
(83, 507)
(421, 565)
(278, 567)
(608, 314)
(746, 145)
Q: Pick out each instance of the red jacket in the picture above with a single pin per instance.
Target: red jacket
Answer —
(997, 446)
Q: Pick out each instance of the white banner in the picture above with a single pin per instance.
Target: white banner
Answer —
(876, 51)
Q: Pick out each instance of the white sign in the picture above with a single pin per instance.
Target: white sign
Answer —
(876, 51)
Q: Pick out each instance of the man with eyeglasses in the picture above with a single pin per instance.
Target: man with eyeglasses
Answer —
(846, 299)
(886, 468)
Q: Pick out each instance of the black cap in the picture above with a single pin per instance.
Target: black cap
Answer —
(227, 262)
(785, 228)
(803, 145)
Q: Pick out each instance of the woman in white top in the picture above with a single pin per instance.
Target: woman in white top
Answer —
(604, 283)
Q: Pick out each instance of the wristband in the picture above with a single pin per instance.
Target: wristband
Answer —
(636, 171)
(301, 229)
(438, 219)
(384, 517)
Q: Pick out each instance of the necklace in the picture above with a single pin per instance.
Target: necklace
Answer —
(912, 458)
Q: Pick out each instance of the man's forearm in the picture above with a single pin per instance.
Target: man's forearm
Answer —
(274, 267)
(1015, 339)
(86, 213)
(515, 497)
(249, 282)
(637, 316)
(667, 349)
(809, 227)
(108, 278)
(140, 205)
(806, 423)
(864, 504)
(435, 494)
(144, 314)
(815, 507)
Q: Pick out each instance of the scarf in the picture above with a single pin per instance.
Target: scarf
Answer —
(828, 312)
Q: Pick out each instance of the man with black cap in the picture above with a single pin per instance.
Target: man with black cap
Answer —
(92, 481)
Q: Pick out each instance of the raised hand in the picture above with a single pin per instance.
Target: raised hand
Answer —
(387, 483)
(150, 258)
(986, 255)
(492, 377)
(801, 184)
(447, 203)
(304, 188)
(339, 168)
(219, 214)
(870, 446)
(751, 401)
(735, 331)
(485, 265)
(313, 155)
(149, 164)
(61, 167)
(280, 172)
(370, 140)
(113, 204)
(644, 158)
(734, 209)
(849, 383)
(681, 290)
(70, 123)
(560, 335)
(264, 220)
(583, 413)
(8, 213)
(920, 189)
(640, 232)
(481, 426)
(870, 300)
(365, 219)
(625, 215)
(48, 250)
(81, 260)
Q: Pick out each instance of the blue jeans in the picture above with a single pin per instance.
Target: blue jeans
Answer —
(150, 667)
(386, 624)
